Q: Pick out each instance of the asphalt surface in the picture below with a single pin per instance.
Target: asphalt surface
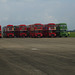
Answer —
(37, 56)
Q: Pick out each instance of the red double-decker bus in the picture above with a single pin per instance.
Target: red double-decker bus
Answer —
(36, 30)
(21, 30)
(49, 30)
(8, 31)
(0, 32)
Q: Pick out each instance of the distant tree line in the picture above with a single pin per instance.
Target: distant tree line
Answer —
(71, 30)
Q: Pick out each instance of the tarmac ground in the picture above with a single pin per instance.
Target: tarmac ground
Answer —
(37, 56)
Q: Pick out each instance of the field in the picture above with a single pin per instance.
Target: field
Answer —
(72, 34)
(37, 56)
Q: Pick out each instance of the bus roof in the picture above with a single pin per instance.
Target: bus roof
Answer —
(51, 24)
(22, 25)
(38, 24)
(61, 24)
(9, 25)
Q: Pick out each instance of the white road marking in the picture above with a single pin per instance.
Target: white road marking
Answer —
(34, 49)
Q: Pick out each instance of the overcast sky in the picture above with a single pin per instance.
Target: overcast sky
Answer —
(37, 11)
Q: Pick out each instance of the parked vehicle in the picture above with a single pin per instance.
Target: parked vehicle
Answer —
(0, 32)
(8, 31)
(20, 31)
(35, 30)
(49, 30)
(61, 30)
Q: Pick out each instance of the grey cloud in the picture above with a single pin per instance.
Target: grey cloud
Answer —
(33, 11)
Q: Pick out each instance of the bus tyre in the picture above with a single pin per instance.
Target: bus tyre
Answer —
(35, 37)
(60, 36)
(65, 36)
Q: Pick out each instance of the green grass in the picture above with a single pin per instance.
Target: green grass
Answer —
(72, 34)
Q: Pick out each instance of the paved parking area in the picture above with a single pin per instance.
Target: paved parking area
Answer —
(37, 56)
